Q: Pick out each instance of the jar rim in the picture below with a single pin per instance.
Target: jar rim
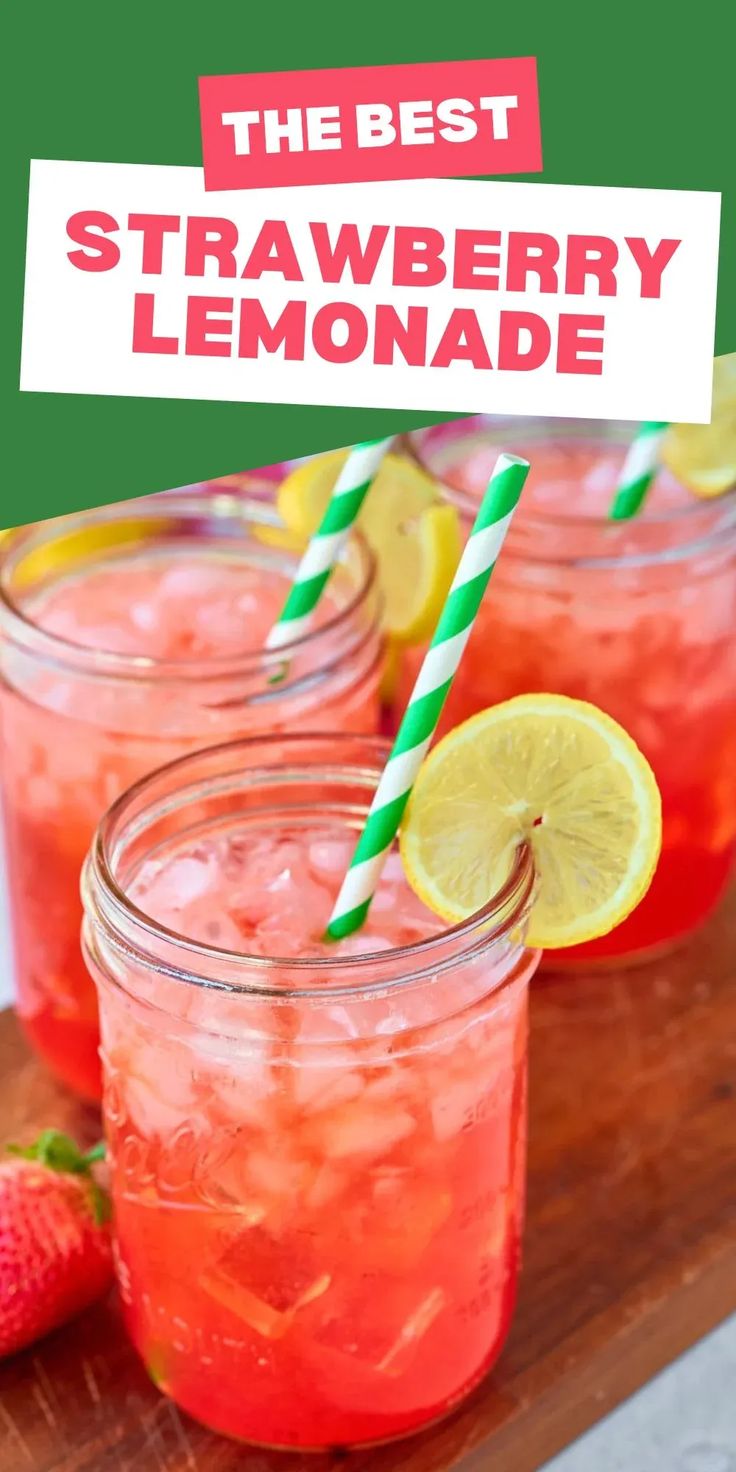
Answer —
(722, 508)
(20, 628)
(134, 933)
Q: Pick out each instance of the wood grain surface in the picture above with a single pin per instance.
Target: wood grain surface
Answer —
(630, 1245)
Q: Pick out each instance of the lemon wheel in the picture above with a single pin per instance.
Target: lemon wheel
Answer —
(557, 773)
(703, 456)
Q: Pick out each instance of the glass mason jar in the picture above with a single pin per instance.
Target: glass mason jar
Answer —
(79, 724)
(317, 1164)
(637, 617)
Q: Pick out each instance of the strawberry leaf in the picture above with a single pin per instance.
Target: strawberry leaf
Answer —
(58, 1152)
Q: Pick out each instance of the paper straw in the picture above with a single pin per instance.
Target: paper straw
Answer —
(640, 467)
(429, 694)
(351, 487)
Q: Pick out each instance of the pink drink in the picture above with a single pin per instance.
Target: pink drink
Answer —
(637, 617)
(126, 639)
(318, 1172)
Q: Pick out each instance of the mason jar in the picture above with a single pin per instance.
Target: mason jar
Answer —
(636, 616)
(317, 1150)
(129, 635)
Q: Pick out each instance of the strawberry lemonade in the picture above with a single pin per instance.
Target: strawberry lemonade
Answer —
(637, 617)
(317, 1149)
(126, 639)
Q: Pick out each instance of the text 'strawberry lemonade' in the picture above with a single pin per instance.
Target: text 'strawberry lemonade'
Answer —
(317, 1160)
(126, 639)
(637, 617)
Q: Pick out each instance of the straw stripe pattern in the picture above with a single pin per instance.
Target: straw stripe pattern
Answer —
(429, 694)
(351, 487)
(640, 468)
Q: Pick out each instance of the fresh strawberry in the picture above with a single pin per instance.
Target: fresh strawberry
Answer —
(55, 1247)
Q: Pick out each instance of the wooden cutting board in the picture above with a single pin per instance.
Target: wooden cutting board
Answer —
(630, 1244)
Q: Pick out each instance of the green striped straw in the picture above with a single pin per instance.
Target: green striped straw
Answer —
(639, 469)
(429, 695)
(351, 487)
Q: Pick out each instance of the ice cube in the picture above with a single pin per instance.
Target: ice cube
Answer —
(247, 603)
(143, 616)
(260, 1316)
(316, 1087)
(599, 479)
(331, 1023)
(190, 580)
(241, 1076)
(165, 889)
(266, 1282)
(388, 1083)
(158, 1099)
(222, 932)
(364, 944)
(326, 1187)
(42, 794)
(276, 1174)
(330, 855)
(396, 1358)
(357, 1130)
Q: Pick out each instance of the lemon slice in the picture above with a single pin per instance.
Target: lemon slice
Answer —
(703, 456)
(74, 547)
(415, 537)
(278, 537)
(557, 773)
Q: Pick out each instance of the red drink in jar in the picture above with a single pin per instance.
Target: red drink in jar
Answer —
(317, 1149)
(128, 638)
(637, 617)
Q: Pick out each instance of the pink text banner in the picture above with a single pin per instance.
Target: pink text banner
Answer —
(355, 124)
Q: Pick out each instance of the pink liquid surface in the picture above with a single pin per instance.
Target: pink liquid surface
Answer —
(181, 608)
(318, 1199)
(72, 743)
(652, 646)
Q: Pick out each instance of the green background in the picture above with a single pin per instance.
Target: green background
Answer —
(629, 96)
